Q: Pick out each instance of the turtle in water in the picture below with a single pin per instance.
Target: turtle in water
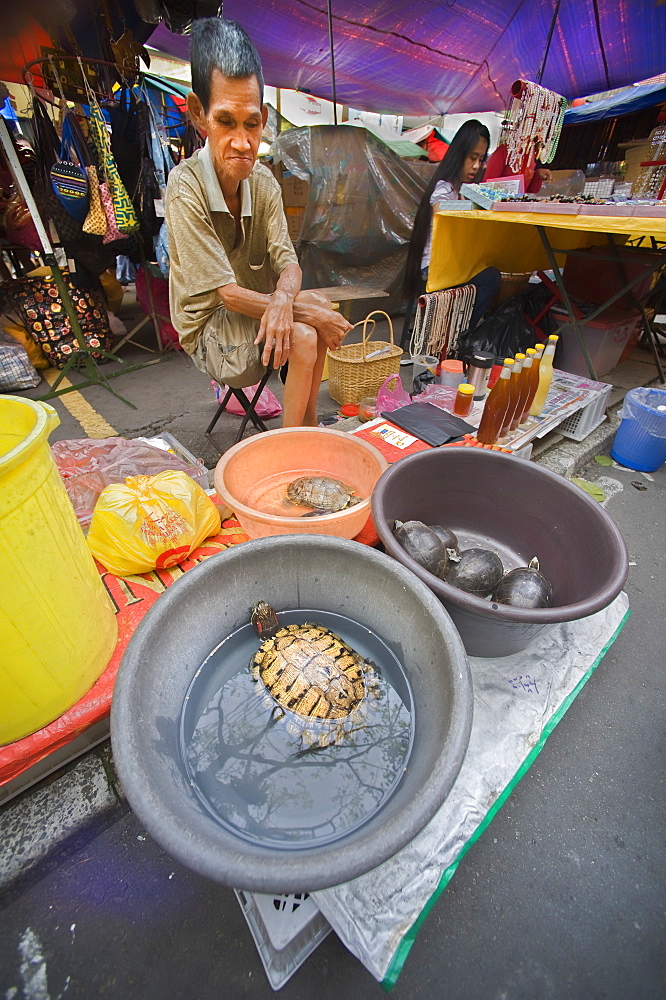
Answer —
(323, 494)
(310, 676)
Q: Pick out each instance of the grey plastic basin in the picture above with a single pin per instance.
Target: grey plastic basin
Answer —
(206, 605)
(520, 507)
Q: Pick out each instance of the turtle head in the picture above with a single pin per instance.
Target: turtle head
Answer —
(264, 619)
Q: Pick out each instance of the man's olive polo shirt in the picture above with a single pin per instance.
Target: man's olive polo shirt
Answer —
(202, 231)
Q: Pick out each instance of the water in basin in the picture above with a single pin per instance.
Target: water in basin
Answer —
(262, 781)
(269, 495)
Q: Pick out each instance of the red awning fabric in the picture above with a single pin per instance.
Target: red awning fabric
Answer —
(21, 49)
(435, 147)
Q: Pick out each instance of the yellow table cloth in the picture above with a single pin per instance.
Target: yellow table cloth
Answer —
(463, 243)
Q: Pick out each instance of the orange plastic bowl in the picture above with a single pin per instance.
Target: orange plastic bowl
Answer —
(289, 453)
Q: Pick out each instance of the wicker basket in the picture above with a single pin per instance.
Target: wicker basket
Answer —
(359, 370)
(512, 284)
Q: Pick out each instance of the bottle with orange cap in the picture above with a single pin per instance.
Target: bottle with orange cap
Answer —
(514, 392)
(524, 386)
(494, 410)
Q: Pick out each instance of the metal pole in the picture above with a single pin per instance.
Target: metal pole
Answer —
(639, 305)
(565, 298)
(330, 43)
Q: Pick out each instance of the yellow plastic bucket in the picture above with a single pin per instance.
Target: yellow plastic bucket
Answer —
(57, 625)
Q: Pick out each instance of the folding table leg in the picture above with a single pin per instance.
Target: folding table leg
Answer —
(565, 298)
(639, 305)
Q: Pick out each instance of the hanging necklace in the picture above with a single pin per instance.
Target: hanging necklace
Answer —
(533, 122)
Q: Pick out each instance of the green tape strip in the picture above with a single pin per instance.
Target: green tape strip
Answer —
(403, 949)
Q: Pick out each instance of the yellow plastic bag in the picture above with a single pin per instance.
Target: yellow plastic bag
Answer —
(113, 290)
(150, 522)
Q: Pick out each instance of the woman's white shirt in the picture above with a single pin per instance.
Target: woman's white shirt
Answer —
(443, 191)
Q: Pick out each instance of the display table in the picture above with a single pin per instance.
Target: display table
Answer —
(575, 406)
(463, 243)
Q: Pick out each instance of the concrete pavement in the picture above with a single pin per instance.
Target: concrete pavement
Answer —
(563, 894)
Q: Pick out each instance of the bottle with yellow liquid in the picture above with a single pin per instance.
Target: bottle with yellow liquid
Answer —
(538, 350)
(545, 377)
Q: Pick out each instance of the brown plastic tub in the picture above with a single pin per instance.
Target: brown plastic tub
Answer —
(519, 509)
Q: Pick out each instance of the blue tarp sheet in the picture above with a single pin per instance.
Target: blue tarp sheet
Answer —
(626, 103)
(433, 58)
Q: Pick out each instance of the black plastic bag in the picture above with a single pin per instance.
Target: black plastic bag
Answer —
(506, 331)
(422, 380)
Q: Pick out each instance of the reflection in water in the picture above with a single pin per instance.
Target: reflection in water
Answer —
(267, 784)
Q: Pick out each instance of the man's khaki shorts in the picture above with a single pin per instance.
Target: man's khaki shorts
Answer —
(226, 351)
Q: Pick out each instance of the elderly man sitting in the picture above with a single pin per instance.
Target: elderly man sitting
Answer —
(234, 280)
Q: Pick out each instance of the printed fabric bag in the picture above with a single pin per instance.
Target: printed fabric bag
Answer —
(123, 210)
(96, 223)
(106, 200)
(70, 186)
(16, 372)
(37, 299)
(18, 332)
(70, 180)
(47, 149)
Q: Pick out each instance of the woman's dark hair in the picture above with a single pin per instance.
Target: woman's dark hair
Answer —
(450, 169)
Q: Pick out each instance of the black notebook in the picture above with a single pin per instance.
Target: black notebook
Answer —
(429, 423)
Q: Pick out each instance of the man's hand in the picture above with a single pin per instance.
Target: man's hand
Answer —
(276, 329)
(544, 174)
(332, 327)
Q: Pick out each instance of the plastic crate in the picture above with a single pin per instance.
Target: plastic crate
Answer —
(286, 930)
(589, 417)
(606, 339)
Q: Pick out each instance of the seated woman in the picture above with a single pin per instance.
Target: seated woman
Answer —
(462, 164)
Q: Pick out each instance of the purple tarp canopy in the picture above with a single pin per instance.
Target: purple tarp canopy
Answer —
(421, 57)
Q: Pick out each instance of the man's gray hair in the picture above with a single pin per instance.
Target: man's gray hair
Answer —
(225, 46)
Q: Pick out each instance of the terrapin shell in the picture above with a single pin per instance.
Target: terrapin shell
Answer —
(478, 571)
(525, 587)
(421, 543)
(324, 494)
(448, 537)
(312, 676)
